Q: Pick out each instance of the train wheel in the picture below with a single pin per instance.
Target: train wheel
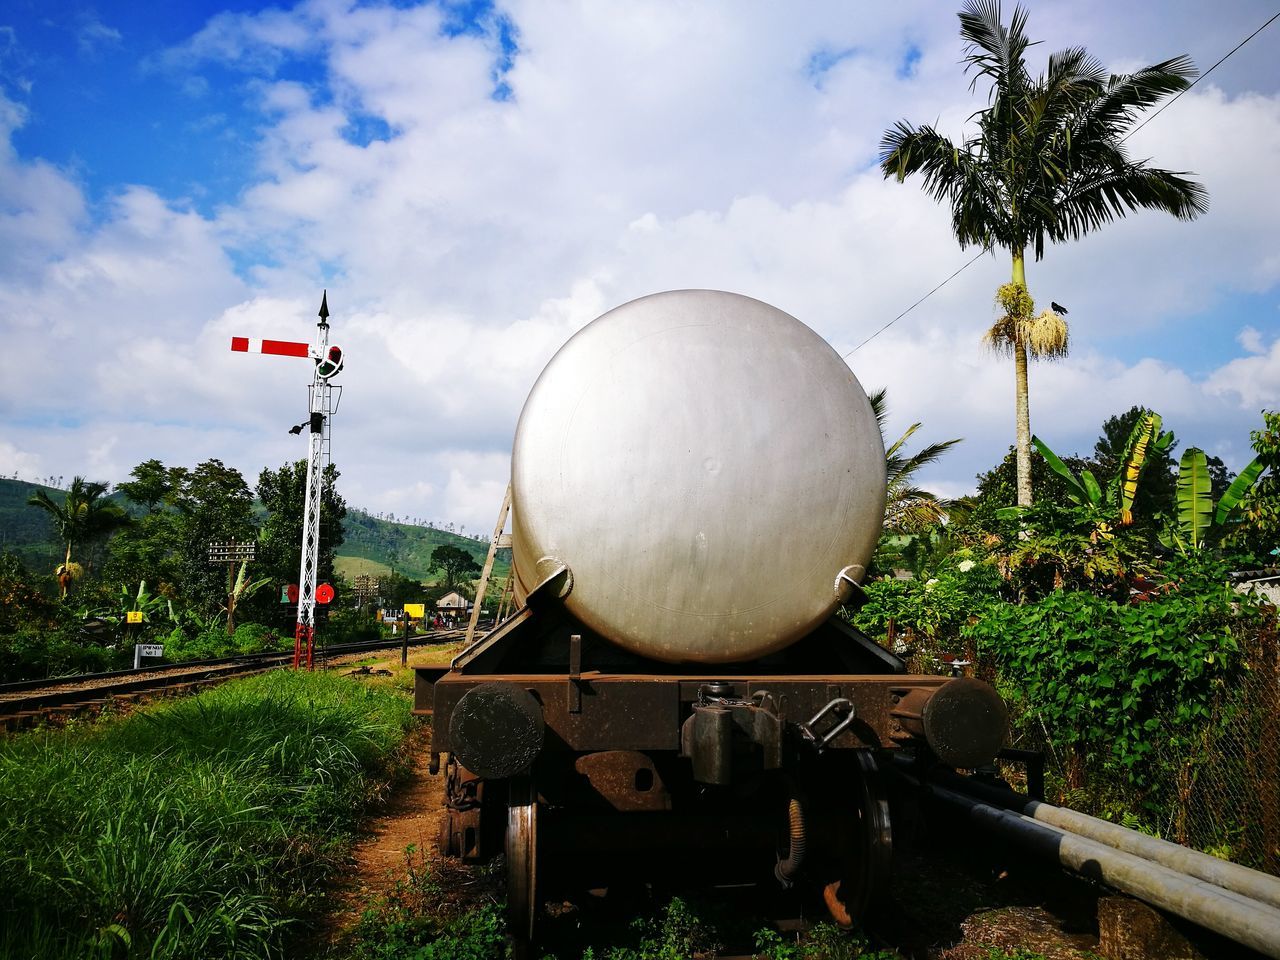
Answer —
(522, 860)
(869, 857)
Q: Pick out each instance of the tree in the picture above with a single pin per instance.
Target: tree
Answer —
(908, 508)
(284, 493)
(151, 485)
(455, 562)
(1260, 533)
(214, 504)
(151, 548)
(1203, 520)
(1047, 164)
(1115, 505)
(82, 516)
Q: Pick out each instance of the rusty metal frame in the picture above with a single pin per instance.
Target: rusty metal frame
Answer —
(632, 704)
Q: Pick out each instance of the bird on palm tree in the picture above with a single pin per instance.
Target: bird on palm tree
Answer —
(82, 515)
(1047, 164)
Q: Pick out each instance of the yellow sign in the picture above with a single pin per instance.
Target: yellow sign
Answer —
(417, 610)
(133, 616)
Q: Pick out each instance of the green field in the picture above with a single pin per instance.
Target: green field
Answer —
(199, 828)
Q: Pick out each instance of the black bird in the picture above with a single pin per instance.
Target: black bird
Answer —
(1059, 308)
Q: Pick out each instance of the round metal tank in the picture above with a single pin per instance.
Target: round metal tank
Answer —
(709, 470)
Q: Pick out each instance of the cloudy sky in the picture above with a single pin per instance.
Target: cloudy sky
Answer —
(474, 182)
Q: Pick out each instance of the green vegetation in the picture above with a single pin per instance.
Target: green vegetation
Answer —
(418, 920)
(1115, 634)
(1047, 164)
(198, 828)
(82, 515)
(77, 561)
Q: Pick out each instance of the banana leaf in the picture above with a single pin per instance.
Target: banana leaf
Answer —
(1077, 491)
(1091, 487)
(1238, 490)
(1144, 436)
(1195, 498)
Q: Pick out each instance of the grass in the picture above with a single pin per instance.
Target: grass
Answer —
(199, 828)
(352, 567)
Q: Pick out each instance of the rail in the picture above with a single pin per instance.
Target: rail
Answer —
(24, 701)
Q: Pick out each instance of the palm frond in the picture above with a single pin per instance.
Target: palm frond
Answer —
(900, 468)
(991, 49)
(879, 406)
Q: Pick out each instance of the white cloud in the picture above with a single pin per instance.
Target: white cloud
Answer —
(18, 464)
(92, 35)
(645, 146)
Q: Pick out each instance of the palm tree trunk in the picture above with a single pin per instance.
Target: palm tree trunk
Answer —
(64, 578)
(1022, 403)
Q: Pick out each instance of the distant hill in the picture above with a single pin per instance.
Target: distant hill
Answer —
(27, 531)
(372, 545)
(404, 547)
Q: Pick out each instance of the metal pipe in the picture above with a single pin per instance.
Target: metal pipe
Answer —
(1249, 922)
(1252, 884)
(1223, 873)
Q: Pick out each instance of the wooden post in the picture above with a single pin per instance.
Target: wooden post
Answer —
(488, 564)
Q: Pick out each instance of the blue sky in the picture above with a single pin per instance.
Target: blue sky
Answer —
(473, 182)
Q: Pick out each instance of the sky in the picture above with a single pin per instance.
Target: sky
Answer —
(474, 182)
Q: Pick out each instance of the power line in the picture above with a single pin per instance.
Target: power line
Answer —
(916, 304)
(1163, 107)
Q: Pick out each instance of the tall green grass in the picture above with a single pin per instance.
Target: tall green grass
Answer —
(200, 828)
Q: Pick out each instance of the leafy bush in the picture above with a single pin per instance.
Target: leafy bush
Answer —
(929, 614)
(197, 828)
(1115, 680)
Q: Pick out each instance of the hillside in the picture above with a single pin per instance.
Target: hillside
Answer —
(372, 545)
(24, 530)
(404, 547)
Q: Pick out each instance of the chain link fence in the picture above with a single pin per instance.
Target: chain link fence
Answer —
(1213, 785)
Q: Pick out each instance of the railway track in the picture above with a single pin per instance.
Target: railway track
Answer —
(27, 702)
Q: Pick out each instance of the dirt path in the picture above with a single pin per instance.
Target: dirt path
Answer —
(410, 817)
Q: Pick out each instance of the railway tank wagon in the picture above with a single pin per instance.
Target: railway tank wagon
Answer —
(697, 484)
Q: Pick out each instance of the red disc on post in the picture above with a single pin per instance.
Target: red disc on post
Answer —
(292, 592)
(324, 593)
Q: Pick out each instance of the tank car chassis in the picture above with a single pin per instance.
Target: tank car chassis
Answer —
(572, 756)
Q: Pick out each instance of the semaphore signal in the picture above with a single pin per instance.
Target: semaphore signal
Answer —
(328, 364)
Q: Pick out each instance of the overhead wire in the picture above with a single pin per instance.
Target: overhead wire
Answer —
(1147, 120)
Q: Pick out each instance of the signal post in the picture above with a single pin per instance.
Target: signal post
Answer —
(323, 398)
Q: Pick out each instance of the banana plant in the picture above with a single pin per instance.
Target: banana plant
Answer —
(1200, 523)
(242, 589)
(1145, 437)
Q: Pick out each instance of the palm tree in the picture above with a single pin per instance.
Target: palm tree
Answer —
(1048, 163)
(908, 508)
(83, 515)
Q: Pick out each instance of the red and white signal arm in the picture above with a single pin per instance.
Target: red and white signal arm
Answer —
(291, 593)
(276, 348)
(324, 593)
